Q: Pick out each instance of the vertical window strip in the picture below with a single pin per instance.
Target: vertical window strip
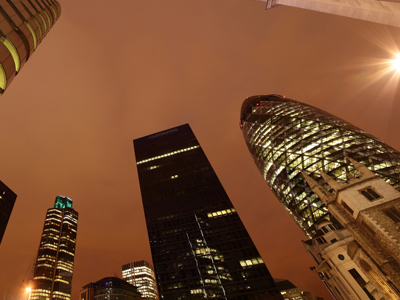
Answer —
(13, 51)
(3, 79)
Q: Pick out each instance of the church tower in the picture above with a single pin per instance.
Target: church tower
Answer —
(369, 208)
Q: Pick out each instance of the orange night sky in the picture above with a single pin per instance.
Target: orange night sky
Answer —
(112, 71)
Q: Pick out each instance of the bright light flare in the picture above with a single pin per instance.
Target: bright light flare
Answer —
(396, 63)
(28, 289)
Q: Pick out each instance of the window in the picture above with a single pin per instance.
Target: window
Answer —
(14, 53)
(3, 79)
(344, 204)
(357, 277)
(370, 194)
(321, 240)
(367, 228)
(393, 213)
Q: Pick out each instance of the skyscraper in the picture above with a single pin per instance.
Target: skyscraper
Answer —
(7, 200)
(54, 267)
(23, 25)
(285, 136)
(199, 245)
(141, 274)
(385, 12)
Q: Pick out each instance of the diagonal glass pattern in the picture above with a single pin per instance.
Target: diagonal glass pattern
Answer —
(285, 136)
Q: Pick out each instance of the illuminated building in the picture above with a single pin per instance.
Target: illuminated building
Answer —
(110, 288)
(141, 275)
(290, 292)
(369, 209)
(332, 249)
(23, 25)
(7, 200)
(54, 267)
(385, 12)
(199, 245)
(285, 136)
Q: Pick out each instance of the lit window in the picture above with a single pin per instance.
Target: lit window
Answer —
(3, 78)
(14, 53)
(32, 33)
(44, 22)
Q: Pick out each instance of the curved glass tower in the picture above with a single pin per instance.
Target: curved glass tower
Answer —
(23, 25)
(285, 136)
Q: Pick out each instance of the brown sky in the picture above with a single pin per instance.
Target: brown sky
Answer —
(112, 71)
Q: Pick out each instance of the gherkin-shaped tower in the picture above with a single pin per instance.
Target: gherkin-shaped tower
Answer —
(285, 136)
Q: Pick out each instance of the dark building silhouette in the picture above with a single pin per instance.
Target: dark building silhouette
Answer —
(110, 288)
(199, 245)
(7, 200)
(54, 267)
(23, 25)
(285, 137)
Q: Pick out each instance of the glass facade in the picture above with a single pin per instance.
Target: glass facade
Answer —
(199, 245)
(55, 260)
(285, 136)
(7, 201)
(23, 24)
(141, 274)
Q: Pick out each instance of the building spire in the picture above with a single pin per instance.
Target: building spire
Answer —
(331, 181)
(365, 172)
(318, 189)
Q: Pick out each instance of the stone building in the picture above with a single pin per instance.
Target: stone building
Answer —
(369, 209)
(331, 249)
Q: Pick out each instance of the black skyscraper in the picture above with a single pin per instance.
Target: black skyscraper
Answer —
(199, 245)
(7, 200)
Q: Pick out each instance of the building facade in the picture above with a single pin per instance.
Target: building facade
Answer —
(290, 292)
(331, 248)
(285, 136)
(7, 201)
(141, 274)
(385, 12)
(199, 245)
(54, 266)
(23, 25)
(369, 209)
(110, 288)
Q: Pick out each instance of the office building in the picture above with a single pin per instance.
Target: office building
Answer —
(199, 245)
(54, 266)
(7, 200)
(110, 288)
(286, 137)
(23, 25)
(369, 209)
(291, 292)
(385, 12)
(141, 274)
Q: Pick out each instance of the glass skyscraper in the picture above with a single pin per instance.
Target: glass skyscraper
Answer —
(54, 267)
(23, 25)
(199, 245)
(7, 201)
(285, 136)
(141, 274)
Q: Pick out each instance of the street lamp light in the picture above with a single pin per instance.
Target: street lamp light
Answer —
(28, 290)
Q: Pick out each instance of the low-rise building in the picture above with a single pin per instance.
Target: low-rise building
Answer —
(110, 288)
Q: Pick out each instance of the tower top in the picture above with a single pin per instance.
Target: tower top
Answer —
(63, 202)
